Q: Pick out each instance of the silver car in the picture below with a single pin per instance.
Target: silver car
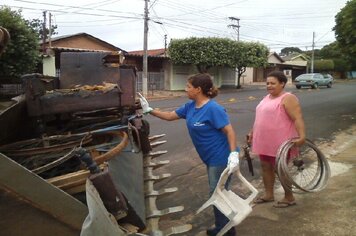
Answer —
(313, 80)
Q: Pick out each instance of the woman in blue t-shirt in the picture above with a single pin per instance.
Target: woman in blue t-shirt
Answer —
(210, 130)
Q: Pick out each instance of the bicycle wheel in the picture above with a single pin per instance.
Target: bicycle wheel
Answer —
(304, 169)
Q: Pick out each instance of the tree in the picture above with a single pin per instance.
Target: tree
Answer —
(309, 54)
(247, 54)
(341, 65)
(289, 50)
(208, 52)
(330, 51)
(333, 51)
(324, 65)
(345, 31)
(202, 52)
(21, 54)
(37, 25)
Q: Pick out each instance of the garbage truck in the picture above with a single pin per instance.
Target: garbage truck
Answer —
(77, 157)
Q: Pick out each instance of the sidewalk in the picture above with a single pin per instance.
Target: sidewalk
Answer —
(167, 94)
(331, 211)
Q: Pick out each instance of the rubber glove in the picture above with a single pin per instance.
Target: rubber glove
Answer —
(233, 162)
(144, 104)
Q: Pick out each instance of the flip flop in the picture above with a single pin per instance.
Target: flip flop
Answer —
(284, 204)
(261, 200)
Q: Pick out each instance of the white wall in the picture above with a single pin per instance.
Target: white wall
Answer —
(247, 77)
(49, 66)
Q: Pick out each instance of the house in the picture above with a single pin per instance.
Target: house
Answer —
(297, 63)
(291, 66)
(164, 75)
(275, 62)
(81, 42)
(157, 66)
(296, 59)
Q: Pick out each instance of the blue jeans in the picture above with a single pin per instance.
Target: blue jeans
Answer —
(214, 173)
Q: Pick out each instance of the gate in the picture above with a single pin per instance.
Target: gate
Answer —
(155, 81)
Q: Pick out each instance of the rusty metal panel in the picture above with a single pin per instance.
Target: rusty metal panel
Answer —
(80, 70)
(77, 101)
(86, 68)
(34, 89)
(41, 102)
(127, 85)
(15, 124)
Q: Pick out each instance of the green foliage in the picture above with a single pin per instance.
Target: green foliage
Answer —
(202, 52)
(308, 54)
(330, 51)
(333, 51)
(209, 52)
(345, 31)
(247, 54)
(37, 25)
(341, 65)
(256, 55)
(21, 54)
(324, 65)
(289, 50)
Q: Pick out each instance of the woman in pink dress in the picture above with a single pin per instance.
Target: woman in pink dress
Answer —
(278, 118)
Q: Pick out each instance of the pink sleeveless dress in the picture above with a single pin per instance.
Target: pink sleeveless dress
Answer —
(272, 126)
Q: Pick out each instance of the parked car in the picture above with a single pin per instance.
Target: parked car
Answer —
(328, 76)
(313, 80)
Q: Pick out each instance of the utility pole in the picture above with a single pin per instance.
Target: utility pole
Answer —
(144, 63)
(235, 26)
(44, 32)
(165, 43)
(50, 30)
(312, 60)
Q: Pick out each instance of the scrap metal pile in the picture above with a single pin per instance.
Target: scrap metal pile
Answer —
(87, 125)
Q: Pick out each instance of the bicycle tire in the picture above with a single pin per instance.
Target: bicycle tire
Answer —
(305, 172)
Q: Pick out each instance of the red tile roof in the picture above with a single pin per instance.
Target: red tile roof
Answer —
(151, 53)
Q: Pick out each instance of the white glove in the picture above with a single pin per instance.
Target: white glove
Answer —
(233, 162)
(144, 104)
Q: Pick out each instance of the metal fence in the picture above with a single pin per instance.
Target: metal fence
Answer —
(155, 81)
(10, 90)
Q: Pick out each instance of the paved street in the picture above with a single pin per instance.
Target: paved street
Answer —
(326, 112)
(330, 116)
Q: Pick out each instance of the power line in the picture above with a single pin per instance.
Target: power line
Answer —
(75, 7)
(79, 13)
(188, 19)
(96, 4)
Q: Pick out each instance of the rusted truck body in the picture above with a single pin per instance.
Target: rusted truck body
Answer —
(43, 182)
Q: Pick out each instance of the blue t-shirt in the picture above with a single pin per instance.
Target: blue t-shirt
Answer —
(204, 125)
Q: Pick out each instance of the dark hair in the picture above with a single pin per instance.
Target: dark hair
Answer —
(279, 75)
(205, 82)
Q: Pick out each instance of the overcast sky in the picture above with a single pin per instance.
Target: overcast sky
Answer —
(276, 23)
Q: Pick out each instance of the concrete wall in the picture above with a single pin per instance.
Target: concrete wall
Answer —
(49, 66)
(177, 75)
